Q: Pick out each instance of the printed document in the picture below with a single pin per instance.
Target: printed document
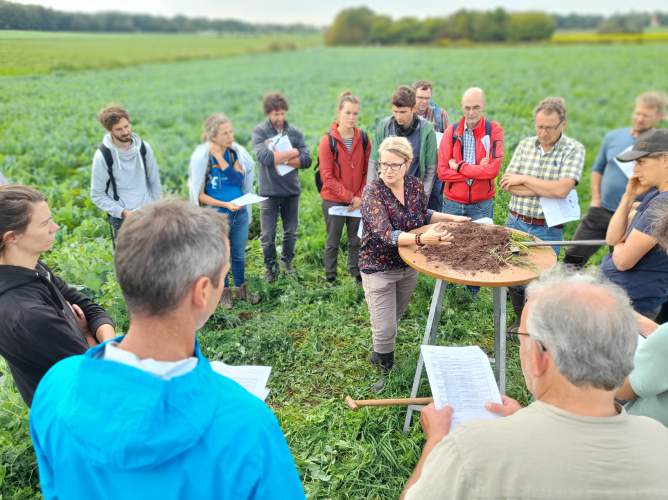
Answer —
(439, 137)
(342, 210)
(281, 143)
(248, 199)
(628, 166)
(252, 378)
(462, 378)
(561, 210)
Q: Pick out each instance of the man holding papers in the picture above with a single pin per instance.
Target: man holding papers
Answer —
(609, 176)
(145, 415)
(574, 440)
(547, 165)
(280, 150)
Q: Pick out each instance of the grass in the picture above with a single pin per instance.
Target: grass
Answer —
(29, 53)
(588, 37)
(315, 336)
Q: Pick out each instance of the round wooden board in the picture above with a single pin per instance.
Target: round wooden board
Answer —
(540, 258)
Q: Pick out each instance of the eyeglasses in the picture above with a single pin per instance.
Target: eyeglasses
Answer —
(554, 128)
(540, 344)
(394, 167)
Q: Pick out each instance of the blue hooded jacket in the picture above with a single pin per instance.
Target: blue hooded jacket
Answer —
(102, 429)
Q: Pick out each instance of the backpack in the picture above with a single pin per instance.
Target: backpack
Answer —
(335, 154)
(488, 131)
(438, 116)
(109, 160)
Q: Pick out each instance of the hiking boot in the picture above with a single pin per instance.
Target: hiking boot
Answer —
(271, 274)
(242, 293)
(330, 279)
(289, 270)
(384, 360)
(226, 299)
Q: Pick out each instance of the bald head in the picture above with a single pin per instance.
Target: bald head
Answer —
(587, 325)
(473, 106)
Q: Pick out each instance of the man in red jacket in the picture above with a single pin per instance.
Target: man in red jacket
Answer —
(469, 159)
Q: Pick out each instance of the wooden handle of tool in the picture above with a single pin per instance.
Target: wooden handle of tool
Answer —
(356, 404)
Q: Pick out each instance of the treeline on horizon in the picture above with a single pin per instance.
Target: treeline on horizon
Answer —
(15, 16)
(361, 26)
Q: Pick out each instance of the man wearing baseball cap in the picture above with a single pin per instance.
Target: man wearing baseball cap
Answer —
(637, 263)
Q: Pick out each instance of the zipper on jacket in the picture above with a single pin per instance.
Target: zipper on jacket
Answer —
(470, 186)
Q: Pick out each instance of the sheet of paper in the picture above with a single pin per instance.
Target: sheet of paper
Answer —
(626, 167)
(248, 199)
(252, 378)
(484, 220)
(561, 210)
(485, 143)
(439, 137)
(342, 211)
(281, 143)
(360, 231)
(462, 378)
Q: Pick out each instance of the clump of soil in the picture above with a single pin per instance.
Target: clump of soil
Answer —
(475, 247)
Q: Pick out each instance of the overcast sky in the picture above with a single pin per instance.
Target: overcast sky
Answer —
(312, 12)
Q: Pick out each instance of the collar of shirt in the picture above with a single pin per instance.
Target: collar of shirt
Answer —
(554, 148)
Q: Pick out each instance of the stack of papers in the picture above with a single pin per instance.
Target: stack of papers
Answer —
(248, 199)
(252, 378)
(561, 210)
(281, 143)
(342, 211)
(462, 378)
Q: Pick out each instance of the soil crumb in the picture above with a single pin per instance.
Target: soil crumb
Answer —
(475, 248)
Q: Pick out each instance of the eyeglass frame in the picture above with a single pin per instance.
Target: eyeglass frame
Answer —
(539, 342)
(392, 167)
(550, 129)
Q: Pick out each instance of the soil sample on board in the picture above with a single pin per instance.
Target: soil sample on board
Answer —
(474, 248)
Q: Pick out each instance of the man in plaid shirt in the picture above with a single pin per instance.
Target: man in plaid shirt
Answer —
(548, 164)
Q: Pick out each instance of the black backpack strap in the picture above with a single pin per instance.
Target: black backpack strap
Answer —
(333, 148)
(365, 140)
(111, 181)
(488, 129)
(142, 152)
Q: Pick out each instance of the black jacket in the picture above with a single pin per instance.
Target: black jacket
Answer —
(37, 327)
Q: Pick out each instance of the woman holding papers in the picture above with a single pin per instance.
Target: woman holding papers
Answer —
(393, 205)
(637, 263)
(343, 155)
(221, 171)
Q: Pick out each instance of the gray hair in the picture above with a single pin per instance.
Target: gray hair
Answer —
(163, 248)
(552, 105)
(212, 124)
(586, 323)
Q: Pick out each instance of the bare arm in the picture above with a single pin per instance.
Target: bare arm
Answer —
(550, 189)
(596, 189)
(521, 190)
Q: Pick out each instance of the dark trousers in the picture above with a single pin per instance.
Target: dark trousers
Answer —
(114, 226)
(436, 197)
(593, 226)
(288, 208)
(334, 226)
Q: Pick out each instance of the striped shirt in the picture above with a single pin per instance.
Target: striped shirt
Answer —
(429, 115)
(348, 143)
(564, 161)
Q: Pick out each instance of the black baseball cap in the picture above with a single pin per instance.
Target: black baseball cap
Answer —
(655, 141)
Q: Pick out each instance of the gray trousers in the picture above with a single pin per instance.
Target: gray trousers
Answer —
(334, 226)
(387, 294)
(288, 208)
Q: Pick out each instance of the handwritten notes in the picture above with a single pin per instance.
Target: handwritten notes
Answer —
(462, 378)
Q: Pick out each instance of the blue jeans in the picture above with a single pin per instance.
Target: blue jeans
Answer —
(543, 232)
(476, 211)
(238, 222)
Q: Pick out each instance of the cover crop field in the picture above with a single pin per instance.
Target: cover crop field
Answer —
(315, 336)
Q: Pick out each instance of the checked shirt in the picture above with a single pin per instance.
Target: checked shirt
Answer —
(564, 161)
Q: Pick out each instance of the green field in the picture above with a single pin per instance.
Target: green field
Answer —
(316, 337)
(29, 52)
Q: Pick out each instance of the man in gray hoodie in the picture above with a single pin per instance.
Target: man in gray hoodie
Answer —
(125, 174)
(282, 189)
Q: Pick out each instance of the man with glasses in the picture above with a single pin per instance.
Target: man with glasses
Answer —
(609, 176)
(548, 164)
(574, 440)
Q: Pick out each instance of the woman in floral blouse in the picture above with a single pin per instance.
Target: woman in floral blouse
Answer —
(393, 205)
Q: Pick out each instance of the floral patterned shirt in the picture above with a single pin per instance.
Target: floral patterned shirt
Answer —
(384, 218)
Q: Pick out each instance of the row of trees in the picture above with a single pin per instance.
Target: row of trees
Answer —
(35, 17)
(361, 26)
(633, 22)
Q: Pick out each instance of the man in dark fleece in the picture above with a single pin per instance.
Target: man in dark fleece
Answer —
(42, 318)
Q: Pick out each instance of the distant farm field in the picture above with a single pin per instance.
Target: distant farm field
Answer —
(24, 53)
(315, 336)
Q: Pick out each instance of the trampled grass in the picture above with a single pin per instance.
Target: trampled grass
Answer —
(316, 337)
(25, 53)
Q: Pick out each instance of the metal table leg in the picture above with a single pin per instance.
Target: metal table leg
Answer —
(430, 330)
(500, 337)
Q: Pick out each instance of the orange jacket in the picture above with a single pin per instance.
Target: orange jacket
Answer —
(343, 180)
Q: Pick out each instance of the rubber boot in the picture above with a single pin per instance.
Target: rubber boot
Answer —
(385, 362)
(226, 299)
(517, 297)
(242, 293)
